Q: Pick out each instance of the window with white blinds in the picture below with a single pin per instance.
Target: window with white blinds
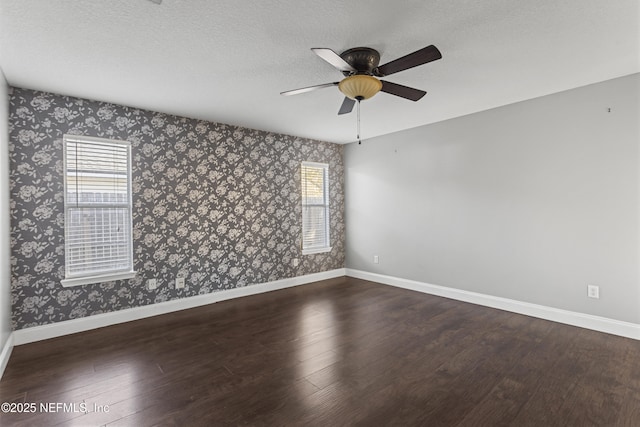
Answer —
(315, 208)
(98, 229)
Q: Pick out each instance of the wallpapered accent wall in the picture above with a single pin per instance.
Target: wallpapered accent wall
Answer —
(217, 204)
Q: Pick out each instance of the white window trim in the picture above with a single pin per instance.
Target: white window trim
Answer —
(316, 250)
(87, 279)
(324, 249)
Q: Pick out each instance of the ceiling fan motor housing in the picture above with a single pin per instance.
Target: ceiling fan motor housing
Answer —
(363, 59)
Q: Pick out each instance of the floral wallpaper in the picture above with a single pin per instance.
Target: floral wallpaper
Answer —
(214, 203)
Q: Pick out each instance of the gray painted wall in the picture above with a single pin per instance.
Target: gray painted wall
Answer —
(217, 204)
(5, 283)
(532, 201)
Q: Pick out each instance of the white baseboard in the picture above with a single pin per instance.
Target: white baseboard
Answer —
(601, 324)
(38, 333)
(6, 353)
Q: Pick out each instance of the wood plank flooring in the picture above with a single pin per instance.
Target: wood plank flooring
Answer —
(338, 352)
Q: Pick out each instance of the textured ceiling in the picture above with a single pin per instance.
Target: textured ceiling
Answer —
(228, 60)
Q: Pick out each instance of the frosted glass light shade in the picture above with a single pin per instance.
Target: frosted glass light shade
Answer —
(360, 85)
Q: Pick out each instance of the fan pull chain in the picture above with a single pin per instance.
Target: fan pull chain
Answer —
(358, 111)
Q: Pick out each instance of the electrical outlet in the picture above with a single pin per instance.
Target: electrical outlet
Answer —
(296, 262)
(152, 284)
(593, 291)
(376, 260)
(179, 282)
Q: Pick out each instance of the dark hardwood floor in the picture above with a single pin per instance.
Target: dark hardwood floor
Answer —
(337, 352)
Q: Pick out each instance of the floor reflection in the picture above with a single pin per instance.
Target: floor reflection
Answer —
(317, 337)
(100, 395)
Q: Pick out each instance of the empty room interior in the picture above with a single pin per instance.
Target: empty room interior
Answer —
(319, 213)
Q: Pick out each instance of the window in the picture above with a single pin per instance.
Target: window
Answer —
(97, 204)
(315, 208)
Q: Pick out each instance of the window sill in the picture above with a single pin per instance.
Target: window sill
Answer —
(88, 280)
(316, 250)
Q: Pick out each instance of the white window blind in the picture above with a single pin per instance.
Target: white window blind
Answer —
(98, 237)
(315, 208)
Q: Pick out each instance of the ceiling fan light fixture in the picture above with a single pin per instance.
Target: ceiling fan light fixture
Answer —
(360, 86)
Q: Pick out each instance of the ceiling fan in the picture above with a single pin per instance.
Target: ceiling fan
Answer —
(360, 67)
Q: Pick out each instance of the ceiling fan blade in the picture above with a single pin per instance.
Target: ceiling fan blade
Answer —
(402, 91)
(308, 89)
(334, 59)
(419, 57)
(347, 106)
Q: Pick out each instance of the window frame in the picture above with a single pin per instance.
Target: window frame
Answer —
(325, 204)
(86, 278)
